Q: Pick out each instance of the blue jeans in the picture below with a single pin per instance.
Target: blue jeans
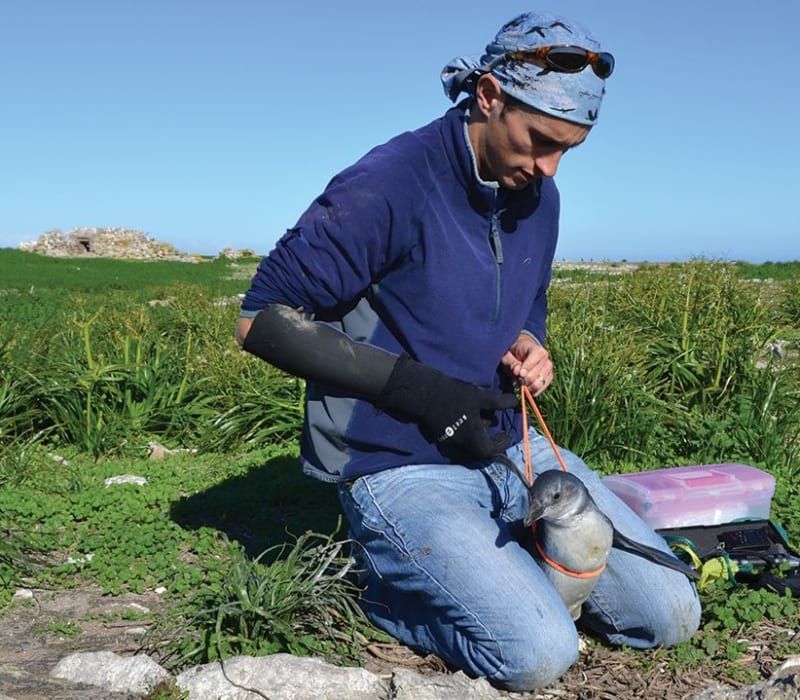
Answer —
(444, 571)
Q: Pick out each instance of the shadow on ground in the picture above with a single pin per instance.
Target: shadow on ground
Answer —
(264, 507)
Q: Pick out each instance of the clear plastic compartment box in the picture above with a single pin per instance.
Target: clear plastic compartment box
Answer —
(706, 494)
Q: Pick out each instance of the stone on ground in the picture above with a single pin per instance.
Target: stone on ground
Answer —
(280, 677)
(120, 674)
(409, 685)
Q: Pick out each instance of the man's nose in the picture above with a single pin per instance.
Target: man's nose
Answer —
(547, 165)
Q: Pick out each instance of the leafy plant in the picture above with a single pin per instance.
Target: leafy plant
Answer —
(729, 611)
(303, 602)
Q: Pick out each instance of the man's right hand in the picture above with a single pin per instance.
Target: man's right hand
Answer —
(449, 411)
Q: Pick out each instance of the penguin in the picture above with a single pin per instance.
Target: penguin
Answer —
(573, 538)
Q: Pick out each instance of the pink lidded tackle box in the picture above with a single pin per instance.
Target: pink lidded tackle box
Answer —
(705, 494)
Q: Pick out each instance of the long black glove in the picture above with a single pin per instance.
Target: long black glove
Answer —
(448, 410)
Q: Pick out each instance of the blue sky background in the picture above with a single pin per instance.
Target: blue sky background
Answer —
(214, 124)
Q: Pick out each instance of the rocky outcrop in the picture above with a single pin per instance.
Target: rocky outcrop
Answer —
(284, 677)
(277, 677)
(104, 243)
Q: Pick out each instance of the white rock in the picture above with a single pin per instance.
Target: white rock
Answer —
(160, 590)
(119, 674)
(136, 631)
(156, 450)
(138, 608)
(790, 663)
(281, 677)
(125, 479)
(409, 685)
(23, 594)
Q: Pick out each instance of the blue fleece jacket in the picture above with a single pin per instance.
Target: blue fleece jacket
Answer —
(410, 251)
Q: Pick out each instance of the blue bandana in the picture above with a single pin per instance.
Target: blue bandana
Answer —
(575, 97)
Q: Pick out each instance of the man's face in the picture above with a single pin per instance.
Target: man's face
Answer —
(519, 145)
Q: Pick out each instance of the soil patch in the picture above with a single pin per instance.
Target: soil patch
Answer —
(35, 634)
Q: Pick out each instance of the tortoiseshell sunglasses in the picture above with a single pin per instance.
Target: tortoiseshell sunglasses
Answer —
(564, 59)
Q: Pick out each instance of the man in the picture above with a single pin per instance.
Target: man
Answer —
(411, 295)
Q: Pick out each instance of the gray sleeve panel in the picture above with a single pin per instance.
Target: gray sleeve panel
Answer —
(327, 415)
(327, 418)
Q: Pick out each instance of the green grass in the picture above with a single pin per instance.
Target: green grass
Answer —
(662, 366)
(779, 271)
(21, 272)
(580, 275)
(58, 628)
(212, 530)
(129, 537)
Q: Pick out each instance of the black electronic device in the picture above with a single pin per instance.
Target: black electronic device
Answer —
(752, 542)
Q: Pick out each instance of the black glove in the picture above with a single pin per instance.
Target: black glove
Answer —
(448, 410)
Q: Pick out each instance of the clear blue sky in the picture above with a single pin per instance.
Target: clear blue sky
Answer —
(212, 124)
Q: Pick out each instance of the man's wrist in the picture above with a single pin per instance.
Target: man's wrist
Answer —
(530, 335)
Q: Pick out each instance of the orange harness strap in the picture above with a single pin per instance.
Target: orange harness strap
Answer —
(527, 398)
(563, 569)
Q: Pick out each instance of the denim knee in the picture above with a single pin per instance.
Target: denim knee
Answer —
(678, 616)
(528, 664)
(670, 617)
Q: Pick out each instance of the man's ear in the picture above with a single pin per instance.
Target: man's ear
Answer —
(488, 94)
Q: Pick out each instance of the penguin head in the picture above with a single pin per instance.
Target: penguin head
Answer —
(556, 496)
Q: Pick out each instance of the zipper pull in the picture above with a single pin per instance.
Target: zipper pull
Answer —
(497, 245)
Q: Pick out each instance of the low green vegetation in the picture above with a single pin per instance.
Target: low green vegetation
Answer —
(778, 271)
(108, 364)
(23, 273)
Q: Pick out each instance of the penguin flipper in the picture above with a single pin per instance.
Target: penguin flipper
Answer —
(626, 544)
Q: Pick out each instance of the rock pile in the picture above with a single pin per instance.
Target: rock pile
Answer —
(236, 253)
(104, 243)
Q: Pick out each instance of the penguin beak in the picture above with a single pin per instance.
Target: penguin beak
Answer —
(535, 510)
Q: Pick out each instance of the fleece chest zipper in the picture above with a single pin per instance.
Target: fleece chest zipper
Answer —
(497, 254)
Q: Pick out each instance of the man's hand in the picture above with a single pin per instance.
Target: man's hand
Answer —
(527, 361)
(450, 412)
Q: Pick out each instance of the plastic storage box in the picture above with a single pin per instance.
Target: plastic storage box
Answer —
(707, 494)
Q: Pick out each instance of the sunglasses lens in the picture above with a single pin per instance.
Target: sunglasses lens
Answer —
(569, 59)
(604, 65)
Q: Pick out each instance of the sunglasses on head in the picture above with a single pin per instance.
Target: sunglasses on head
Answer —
(565, 59)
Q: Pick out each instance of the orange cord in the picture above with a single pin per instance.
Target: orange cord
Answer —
(527, 398)
(526, 442)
